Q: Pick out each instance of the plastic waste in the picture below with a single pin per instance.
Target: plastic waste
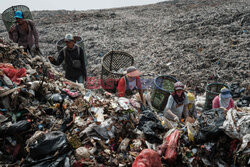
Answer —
(169, 147)
(147, 158)
(124, 103)
(82, 152)
(43, 148)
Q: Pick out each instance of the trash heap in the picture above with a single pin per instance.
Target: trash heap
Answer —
(46, 120)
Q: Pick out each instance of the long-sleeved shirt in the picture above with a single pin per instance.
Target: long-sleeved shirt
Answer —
(216, 103)
(72, 73)
(23, 38)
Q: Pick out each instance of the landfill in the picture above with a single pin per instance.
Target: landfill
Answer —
(47, 120)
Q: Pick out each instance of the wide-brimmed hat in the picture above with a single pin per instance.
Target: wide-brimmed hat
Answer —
(133, 72)
(225, 93)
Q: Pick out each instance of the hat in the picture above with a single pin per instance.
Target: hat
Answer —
(69, 37)
(18, 14)
(133, 72)
(178, 86)
(225, 93)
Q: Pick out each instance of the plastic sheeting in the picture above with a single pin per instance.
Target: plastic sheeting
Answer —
(237, 125)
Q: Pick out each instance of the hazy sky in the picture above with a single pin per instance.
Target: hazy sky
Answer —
(72, 4)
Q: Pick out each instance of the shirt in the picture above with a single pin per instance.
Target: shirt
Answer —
(23, 38)
(172, 105)
(72, 54)
(122, 86)
(216, 103)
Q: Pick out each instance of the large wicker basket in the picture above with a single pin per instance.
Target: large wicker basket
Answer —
(112, 64)
(213, 90)
(8, 15)
(79, 41)
(163, 86)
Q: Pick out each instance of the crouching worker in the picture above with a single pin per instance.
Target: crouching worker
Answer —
(73, 57)
(130, 84)
(223, 100)
(177, 104)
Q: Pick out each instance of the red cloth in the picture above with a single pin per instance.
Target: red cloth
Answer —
(13, 73)
(147, 158)
(122, 86)
(216, 103)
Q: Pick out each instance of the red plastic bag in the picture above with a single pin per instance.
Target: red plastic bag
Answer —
(13, 73)
(147, 158)
(169, 147)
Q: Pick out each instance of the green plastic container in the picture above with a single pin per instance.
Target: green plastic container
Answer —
(213, 90)
(163, 87)
(8, 15)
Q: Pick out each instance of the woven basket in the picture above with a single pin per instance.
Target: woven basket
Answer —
(212, 90)
(79, 41)
(112, 63)
(8, 15)
(163, 87)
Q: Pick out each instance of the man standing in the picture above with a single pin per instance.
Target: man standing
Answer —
(73, 57)
(24, 32)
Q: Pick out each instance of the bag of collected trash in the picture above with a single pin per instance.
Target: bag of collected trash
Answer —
(147, 158)
(237, 125)
(50, 149)
(16, 128)
(168, 148)
(210, 121)
(149, 124)
(54, 98)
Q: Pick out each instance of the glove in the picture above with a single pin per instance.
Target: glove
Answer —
(176, 119)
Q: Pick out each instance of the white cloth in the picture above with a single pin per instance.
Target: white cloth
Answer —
(132, 84)
(224, 102)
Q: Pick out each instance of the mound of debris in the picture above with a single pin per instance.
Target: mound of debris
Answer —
(46, 120)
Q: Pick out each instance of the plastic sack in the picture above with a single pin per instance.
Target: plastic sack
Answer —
(43, 148)
(236, 126)
(147, 158)
(171, 143)
(210, 121)
(149, 124)
(13, 74)
(16, 128)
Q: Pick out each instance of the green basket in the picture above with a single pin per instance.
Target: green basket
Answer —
(112, 63)
(8, 15)
(79, 41)
(163, 87)
(213, 90)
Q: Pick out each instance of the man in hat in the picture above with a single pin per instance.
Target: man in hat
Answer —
(223, 100)
(73, 57)
(24, 32)
(130, 84)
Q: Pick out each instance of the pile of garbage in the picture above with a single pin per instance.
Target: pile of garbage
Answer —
(46, 120)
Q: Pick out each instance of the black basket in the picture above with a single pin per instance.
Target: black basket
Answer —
(163, 87)
(213, 90)
(112, 63)
(79, 41)
(8, 15)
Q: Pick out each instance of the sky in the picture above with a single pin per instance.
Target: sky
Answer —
(73, 4)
